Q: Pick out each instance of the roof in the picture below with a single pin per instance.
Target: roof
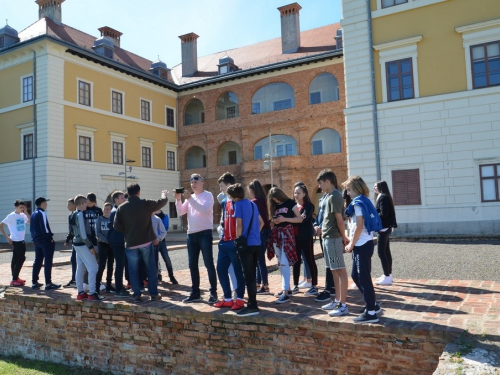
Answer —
(312, 42)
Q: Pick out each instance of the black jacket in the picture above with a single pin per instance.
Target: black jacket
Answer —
(386, 211)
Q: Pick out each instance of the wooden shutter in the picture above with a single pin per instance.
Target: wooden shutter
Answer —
(406, 187)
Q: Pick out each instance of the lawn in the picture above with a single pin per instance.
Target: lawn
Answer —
(14, 365)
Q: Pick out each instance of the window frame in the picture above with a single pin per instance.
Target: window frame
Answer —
(231, 154)
(484, 45)
(393, 5)
(150, 109)
(146, 157)
(118, 157)
(496, 178)
(312, 93)
(258, 104)
(32, 147)
(146, 143)
(25, 130)
(23, 78)
(399, 75)
(313, 142)
(232, 107)
(91, 92)
(80, 138)
(88, 132)
(122, 102)
(171, 160)
(167, 108)
(281, 101)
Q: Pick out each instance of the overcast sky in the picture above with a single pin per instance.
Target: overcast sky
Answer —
(151, 27)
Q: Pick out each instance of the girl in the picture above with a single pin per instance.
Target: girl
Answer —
(257, 196)
(385, 209)
(284, 212)
(361, 244)
(304, 242)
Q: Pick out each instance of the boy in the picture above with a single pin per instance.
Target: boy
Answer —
(334, 240)
(85, 253)
(72, 283)
(104, 248)
(16, 221)
(248, 224)
(162, 246)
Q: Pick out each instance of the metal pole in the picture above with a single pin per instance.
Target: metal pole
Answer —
(271, 157)
(125, 166)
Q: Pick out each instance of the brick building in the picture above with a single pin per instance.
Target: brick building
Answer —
(291, 88)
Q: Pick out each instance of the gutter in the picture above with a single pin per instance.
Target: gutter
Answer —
(35, 132)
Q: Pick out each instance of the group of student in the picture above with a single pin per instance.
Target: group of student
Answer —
(131, 231)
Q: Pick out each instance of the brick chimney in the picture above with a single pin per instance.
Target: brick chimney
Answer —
(290, 28)
(189, 54)
(112, 34)
(50, 9)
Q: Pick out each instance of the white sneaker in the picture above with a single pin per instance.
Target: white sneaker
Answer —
(330, 306)
(387, 280)
(339, 310)
(380, 278)
(304, 285)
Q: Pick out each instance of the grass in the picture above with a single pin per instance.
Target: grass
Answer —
(16, 365)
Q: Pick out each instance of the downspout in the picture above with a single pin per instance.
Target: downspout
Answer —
(35, 132)
(374, 102)
(178, 161)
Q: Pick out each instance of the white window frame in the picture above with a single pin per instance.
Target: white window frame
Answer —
(411, 4)
(25, 130)
(78, 79)
(145, 142)
(111, 101)
(150, 110)
(118, 137)
(85, 131)
(477, 33)
(399, 50)
(22, 88)
(172, 148)
(175, 117)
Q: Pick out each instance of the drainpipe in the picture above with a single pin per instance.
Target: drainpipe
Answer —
(35, 132)
(178, 161)
(374, 103)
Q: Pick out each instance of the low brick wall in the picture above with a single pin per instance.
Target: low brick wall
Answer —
(148, 339)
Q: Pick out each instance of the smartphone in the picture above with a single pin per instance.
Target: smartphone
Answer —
(179, 190)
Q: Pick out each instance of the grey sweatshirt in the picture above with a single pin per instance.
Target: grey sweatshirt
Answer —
(102, 229)
(79, 231)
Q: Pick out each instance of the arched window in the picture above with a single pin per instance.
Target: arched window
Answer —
(326, 141)
(324, 88)
(194, 113)
(273, 97)
(229, 153)
(227, 106)
(283, 145)
(196, 158)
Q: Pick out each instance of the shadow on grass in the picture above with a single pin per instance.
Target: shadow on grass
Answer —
(14, 365)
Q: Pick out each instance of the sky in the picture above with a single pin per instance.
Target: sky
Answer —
(151, 27)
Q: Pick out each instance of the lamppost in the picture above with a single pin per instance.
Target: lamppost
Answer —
(268, 162)
(125, 161)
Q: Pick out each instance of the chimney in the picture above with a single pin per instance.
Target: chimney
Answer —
(189, 54)
(339, 38)
(112, 34)
(50, 9)
(290, 28)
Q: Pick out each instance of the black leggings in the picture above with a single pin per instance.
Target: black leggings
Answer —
(384, 251)
(305, 246)
(18, 258)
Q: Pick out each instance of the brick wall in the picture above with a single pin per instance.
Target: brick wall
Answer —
(141, 339)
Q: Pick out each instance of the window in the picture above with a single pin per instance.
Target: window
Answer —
(273, 97)
(485, 64)
(315, 98)
(255, 108)
(194, 113)
(172, 211)
(228, 153)
(282, 104)
(27, 89)
(391, 3)
(28, 146)
(171, 160)
(325, 141)
(399, 80)
(145, 110)
(84, 93)
(170, 118)
(323, 88)
(230, 112)
(317, 147)
(490, 182)
(146, 157)
(2, 43)
(117, 102)
(257, 153)
(85, 152)
(232, 157)
(108, 52)
(282, 145)
(227, 106)
(195, 158)
(117, 153)
(406, 187)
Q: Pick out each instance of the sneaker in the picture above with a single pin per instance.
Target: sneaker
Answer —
(95, 298)
(52, 286)
(366, 318)
(304, 285)
(248, 311)
(378, 309)
(330, 306)
(174, 281)
(156, 298)
(339, 310)
(323, 296)
(191, 298)
(36, 286)
(238, 304)
(123, 293)
(110, 289)
(71, 284)
(21, 280)
(387, 280)
(263, 290)
(212, 299)
(313, 291)
(280, 293)
(81, 296)
(283, 299)
(295, 289)
(16, 283)
(224, 303)
(137, 299)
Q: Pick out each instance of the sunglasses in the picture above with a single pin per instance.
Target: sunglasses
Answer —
(196, 178)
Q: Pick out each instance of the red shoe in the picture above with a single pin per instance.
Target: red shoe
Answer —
(128, 286)
(223, 303)
(238, 304)
(16, 283)
(145, 283)
(21, 280)
(82, 296)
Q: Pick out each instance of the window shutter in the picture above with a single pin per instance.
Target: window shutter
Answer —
(413, 187)
(406, 187)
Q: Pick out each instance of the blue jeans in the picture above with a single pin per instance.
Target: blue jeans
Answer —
(162, 249)
(134, 257)
(196, 243)
(44, 253)
(228, 256)
(262, 267)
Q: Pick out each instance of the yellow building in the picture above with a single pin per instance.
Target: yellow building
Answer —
(423, 100)
(77, 110)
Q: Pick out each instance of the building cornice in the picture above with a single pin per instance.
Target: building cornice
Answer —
(478, 26)
(398, 43)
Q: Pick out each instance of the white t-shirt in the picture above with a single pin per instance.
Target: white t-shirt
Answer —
(365, 236)
(16, 224)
